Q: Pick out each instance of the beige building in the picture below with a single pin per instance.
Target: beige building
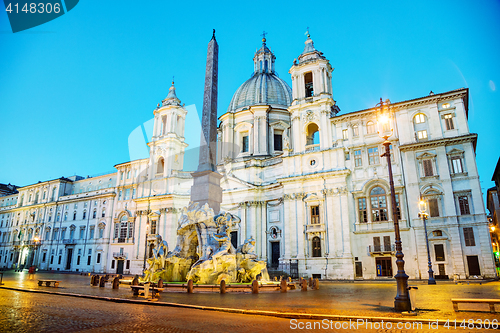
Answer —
(307, 181)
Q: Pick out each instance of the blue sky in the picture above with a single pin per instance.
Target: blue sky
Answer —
(74, 89)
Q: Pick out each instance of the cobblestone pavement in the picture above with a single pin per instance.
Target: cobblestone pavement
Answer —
(31, 312)
(365, 299)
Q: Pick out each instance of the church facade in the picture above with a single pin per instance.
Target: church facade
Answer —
(308, 183)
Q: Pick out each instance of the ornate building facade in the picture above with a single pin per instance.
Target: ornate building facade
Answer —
(308, 183)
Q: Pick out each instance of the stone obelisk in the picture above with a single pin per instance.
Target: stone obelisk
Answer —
(206, 181)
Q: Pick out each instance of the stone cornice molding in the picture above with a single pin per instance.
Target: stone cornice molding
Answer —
(326, 174)
(439, 142)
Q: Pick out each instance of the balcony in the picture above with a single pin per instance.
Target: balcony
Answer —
(374, 249)
(310, 148)
(120, 255)
(315, 227)
(69, 241)
(152, 237)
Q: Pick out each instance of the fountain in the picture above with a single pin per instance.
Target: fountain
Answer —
(204, 253)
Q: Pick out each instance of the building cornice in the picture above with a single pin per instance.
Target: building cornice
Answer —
(440, 142)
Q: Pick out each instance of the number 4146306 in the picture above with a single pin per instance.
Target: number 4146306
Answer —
(35, 8)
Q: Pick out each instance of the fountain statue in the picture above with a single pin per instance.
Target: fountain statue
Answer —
(204, 252)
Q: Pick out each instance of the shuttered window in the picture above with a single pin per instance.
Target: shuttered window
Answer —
(427, 168)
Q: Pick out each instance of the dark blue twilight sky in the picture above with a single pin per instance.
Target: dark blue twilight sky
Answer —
(74, 89)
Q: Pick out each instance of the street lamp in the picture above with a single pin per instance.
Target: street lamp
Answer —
(402, 299)
(36, 243)
(423, 214)
(145, 246)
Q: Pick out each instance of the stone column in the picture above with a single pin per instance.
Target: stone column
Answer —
(296, 133)
(256, 134)
(243, 223)
(286, 235)
(301, 220)
(263, 229)
(346, 235)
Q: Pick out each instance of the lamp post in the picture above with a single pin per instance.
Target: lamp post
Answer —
(402, 299)
(145, 246)
(423, 214)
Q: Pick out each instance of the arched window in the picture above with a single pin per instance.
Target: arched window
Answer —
(419, 118)
(74, 215)
(128, 174)
(312, 134)
(84, 215)
(44, 194)
(379, 204)
(94, 214)
(58, 217)
(36, 197)
(316, 247)
(160, 166)
(124, 229)
(308, 84)
(66, 216)
(103, 214)
(370, 127)
(54, 194)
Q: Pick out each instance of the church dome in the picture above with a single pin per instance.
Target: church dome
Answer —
(264, 87)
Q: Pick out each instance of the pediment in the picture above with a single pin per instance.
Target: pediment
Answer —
(426, 155)
(455, 151)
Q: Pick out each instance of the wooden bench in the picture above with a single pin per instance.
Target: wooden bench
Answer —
(491, 302)
(48, 282)
(153, 290)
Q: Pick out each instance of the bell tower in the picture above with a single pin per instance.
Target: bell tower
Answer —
(313, 103)
(167, 144)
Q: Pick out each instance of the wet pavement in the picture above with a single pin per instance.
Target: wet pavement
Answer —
(33, 312)
(345, 299)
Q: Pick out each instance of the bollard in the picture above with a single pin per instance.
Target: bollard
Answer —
(116, 282)
(135, 281)
(283, 286)
(92, 278)
(255, 287)
(102, 282)
(223, 286)
(160, 283)
(316, 284)
(146, 290)
(310, 282)
(190, 287)
(96, 280)
(303, 284)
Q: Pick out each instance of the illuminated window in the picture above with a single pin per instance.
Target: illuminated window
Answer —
(355, 130)
(422, 135)
(448, 121)
(345, 135)
(419, 118)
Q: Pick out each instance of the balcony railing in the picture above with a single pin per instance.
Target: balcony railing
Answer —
(310, 148)
(381, 248)
(120, 255)
(316, 227)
